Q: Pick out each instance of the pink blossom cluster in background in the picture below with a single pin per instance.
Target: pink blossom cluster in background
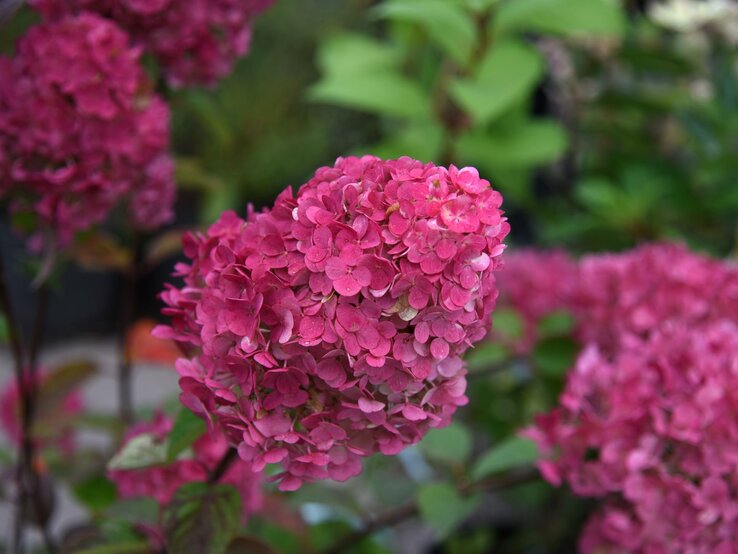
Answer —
(162, 481)
(81, 130)
(194, 42)
(332, 326)
(58, 429)
(649, 416)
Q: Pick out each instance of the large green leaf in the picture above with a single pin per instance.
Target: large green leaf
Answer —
(202, 518)
(187, 429)
(511, 453)
(529, 144)
(562, 17)
(387, 93)
(442, 508)
(349, 53)
(446, 23)
(506, 76)
(450, 445)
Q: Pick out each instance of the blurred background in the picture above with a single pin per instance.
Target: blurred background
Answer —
(604, 123)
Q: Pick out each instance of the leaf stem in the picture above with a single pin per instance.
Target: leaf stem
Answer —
(225, 462)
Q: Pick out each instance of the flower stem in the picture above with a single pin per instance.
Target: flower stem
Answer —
(225, 462)
(127, 316)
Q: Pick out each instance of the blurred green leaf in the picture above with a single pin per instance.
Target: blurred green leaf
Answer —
(421, 140)
(349, 53)
(531, 143)
(96, 493)
(555, 356)
(202, 518)
(141, 451)
(556, 323)
(511, 453)
(507, 74)
(54, 389)
(385, 93)
(442, 508)
(451, 445)
(446, 23)
(485, 355)
(599, 18)
(508, 322)
(187, 429)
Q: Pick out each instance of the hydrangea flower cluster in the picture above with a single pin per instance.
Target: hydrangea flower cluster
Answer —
(654, 429)
(162, 481)
(647, 418)
(623, 297)
(195, 42)
(80, 129)
(537, 283)
(333, 326)
(59, 436)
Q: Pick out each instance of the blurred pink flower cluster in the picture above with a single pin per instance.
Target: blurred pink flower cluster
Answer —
(57, 431)
(81, 130)
(649, 416)
(332, 326)
(160, 482)
(194, 42)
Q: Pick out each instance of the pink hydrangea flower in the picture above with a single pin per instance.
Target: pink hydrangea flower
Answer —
(622, 297)
(60, 435)
(333, 326)
(162, 481)
(653, 429)
(195, 42)
(537, 283)
(81, 131)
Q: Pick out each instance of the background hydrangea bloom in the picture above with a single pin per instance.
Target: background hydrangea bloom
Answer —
(195, 42)
(332, 326)
(161, 482)
(59, 435)
(654, 429)
(80, 129)
(623, 297)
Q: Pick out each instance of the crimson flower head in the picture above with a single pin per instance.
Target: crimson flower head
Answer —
(652, 430)
(81, 131)
(333, 326)
(194, 42)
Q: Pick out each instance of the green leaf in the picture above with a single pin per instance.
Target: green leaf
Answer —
(187, 429)
(507, 74)
(451, 445)
(531, 143)
(421, 140)
(508, 322)
(442, 508)
(385, 93)
(96, 493)
(557, 323)
(509, 454)
(446, 23)
(202, 518)
(555, 356)
(486, 355)
(141, 451)
(601, 18)
(353, 54)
